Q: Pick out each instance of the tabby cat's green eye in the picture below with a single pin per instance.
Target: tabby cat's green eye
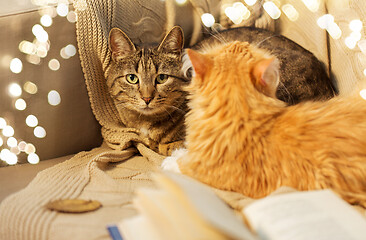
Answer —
(161, 78)
(132, 78)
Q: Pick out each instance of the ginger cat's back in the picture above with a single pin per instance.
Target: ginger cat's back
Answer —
(241, 138)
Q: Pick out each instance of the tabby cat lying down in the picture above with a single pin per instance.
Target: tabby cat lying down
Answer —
(241, 138)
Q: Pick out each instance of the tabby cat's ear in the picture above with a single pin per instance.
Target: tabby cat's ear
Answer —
(266, 76)
(200, 62)
(119, 44)
(173, 41)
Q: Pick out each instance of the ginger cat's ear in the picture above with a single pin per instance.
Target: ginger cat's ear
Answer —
(173, 42)
(266, 76)
(119, 44)
(199, 62)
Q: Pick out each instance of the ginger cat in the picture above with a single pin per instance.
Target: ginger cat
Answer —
(241, 138)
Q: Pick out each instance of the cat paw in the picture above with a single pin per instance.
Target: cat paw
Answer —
(167, 149)
(171, 163)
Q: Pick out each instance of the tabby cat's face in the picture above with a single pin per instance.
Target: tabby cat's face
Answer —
(147, 80)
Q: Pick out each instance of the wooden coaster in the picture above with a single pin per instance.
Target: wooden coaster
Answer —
(73, 205)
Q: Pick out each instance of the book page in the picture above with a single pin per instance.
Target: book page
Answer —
(309, 215)
(207, 204)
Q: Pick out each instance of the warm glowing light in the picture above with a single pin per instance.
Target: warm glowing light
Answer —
(42, 51)
(4, 153)
(363, 93)
(40, 33)
(63, 54)
(33, 158)
(207, 19)
(2, 123)
(356, 36)
(1, 141)
(46, 20)
(39, 132)
(22, 145)
(30, 88)
(237, 12)
(62, 9)
(54, 64)
(181, 2)
(72, 17)
(31, 121)
(8, 131)
(30, 148)
(70, 49)
(34, 59)
(27, 47)
(355, 25)
(290, 12)
(334, 31)
(54, 98)
(12, 142)
(9, 157)
(20, 104)
(250, 2)
(272, 10)
(16, 65)
(312, 5)
(350, 42)
(15, 90)
(325, 21)
(15, 150)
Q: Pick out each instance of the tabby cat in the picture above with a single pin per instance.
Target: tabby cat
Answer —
(241, 138)
(146, 83)
(302, 75)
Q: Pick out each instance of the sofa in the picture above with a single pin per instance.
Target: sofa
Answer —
(72, 126)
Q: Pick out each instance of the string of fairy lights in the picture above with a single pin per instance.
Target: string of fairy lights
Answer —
(36, 51)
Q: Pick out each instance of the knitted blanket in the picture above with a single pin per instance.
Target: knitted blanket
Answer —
(110, 173)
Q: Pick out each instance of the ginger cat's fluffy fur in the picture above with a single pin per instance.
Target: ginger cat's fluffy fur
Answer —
(241, 138)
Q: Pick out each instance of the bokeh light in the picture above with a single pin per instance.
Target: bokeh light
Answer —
(72, 17)
(363, 93)
(16, 65)
(46, 20)
(290, 12)
(2, 123)
(62, 9)
(20, 104)
(12, 142)
(29, 148)
(14, 90)
(54, 98)
(207, 19)
(31, 121)
(250, 2)
(30, 88)
(33, 158)
(54, 64)
(8, 131)
(272, 10)
(39, 132)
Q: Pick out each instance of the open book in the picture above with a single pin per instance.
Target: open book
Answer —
(182, 208)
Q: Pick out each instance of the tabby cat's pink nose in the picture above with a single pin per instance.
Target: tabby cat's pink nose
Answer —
(147, 100)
